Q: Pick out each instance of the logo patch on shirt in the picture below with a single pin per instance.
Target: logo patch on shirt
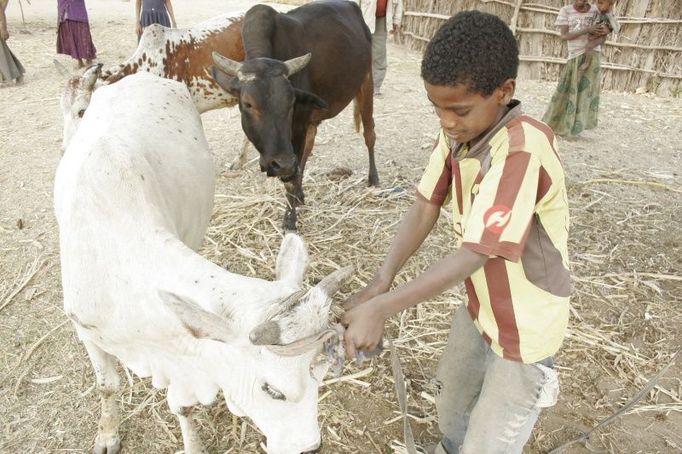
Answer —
(497, 218)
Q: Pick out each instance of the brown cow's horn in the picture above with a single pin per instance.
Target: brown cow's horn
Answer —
(226, 65)
(332, 283)
(296, 64)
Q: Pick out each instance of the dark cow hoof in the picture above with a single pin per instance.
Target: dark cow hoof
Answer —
(373, 180)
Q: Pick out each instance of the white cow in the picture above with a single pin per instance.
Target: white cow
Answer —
(133, 197)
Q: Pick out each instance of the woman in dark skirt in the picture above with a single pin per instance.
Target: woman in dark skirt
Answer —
(10, 67)
(153, 12)
(73, 35)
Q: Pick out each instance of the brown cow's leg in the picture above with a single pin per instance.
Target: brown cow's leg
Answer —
(295, 196)
(365, 104)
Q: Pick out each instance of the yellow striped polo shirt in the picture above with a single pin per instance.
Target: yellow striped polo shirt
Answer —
(509, 202)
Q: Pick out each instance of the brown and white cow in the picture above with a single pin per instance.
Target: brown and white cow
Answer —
(301, 67)
(172, 53)
(184, 54)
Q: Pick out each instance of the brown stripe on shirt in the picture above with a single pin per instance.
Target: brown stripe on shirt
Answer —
(457, 181)
(474, 305)
(513, 173)
(501, 303)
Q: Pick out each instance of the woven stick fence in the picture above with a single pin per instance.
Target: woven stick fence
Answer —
(646, 56)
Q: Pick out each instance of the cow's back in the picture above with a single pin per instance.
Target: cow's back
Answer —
(141, 135)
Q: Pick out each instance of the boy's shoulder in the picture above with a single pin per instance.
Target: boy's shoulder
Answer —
(526, 133)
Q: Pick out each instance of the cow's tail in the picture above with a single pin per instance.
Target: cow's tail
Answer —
(357, 117)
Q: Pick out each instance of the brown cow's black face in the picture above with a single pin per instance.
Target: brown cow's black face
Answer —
(266, 102)
(267, 108)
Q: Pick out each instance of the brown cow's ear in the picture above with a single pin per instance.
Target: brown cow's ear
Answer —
(308, 99)
(228, 83)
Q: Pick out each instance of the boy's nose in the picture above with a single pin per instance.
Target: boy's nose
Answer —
(448, 122)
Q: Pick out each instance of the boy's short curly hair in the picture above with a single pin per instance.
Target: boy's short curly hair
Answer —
(472, 48)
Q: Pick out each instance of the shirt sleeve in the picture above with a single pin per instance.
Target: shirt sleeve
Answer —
(435, 183)
(504, 206)
(562, 18)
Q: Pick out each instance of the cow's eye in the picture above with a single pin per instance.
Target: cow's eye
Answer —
(81, 113)
(272, 392)
(247, 105)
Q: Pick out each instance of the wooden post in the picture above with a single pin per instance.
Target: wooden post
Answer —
(515, 16)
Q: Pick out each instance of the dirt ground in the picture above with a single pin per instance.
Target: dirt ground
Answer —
(625, 185)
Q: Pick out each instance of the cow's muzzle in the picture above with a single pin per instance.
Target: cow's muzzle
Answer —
(284, 168)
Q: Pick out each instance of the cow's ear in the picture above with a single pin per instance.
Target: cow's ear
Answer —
(228, 83)
(308, 99)
(292, 259)
(200, 323)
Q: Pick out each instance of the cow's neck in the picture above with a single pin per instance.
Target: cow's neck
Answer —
(188, 273)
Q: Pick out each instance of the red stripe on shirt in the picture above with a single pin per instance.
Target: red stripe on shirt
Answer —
(457, 181)
(544, 183)
(503, 308)
(474, 305)
(442, 188)
(513, 173)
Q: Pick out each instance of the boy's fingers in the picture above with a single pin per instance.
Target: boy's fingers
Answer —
(350, 349)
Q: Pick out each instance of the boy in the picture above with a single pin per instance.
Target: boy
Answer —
(603, 16)
(501, 171)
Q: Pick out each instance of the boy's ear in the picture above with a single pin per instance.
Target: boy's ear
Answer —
(505, 91)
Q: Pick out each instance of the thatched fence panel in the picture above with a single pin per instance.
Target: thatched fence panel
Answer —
(646, 56)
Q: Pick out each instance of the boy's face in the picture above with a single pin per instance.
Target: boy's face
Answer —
(604, 6)
(464, 115)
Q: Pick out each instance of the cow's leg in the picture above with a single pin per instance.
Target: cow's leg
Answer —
(108, 384)
(365, 104)
(243, 155)
(294, 188)
(190, 435)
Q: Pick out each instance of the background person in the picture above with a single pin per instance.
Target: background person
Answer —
(150, 12)
(574, 106)
(73, 33)
(379, 15)
(10, 66)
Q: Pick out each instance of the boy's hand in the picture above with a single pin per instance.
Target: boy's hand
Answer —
(364, 328)
(373, 288)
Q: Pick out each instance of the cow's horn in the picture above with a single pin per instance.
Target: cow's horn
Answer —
(296, 64)
(226, 65)
(303, 345)
(267, 333)
(90, 76)
(332, 283)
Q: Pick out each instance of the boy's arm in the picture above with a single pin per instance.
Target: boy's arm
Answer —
(366, 322)
(414, 227)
